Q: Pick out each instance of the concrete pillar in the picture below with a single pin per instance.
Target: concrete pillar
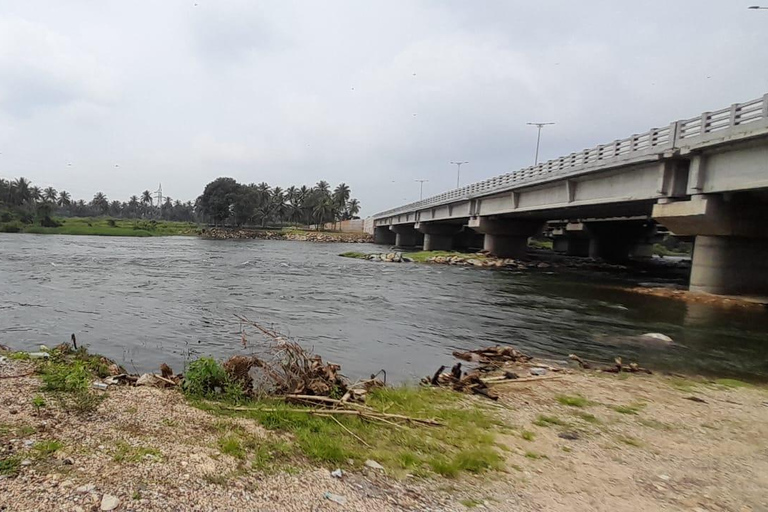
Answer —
(730, 265)
(406, 235)
(573, 240)
(617, 241)
(506, 238)
(383, 235)
(438, 237)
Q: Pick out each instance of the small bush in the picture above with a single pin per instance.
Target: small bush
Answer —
(205, 378)
(10, 228)
(111, 223)
(66, 377)
(43, 449)
(10, 466)
(528, 435)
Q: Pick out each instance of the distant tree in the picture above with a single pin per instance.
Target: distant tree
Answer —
(218, 198)
(146, 198)
(64, 198)
(20, 191)
(35, 193)
(353, 208)
(100, 204)
(50, 194)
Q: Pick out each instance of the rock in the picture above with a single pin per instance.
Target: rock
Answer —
(13, 411)
(406, 259)
(109, 502)
(373, 464)
(658, 336)
(26, 462)
(147, 380)
(569, 435)
(39, 355)
(84, 489)
(538, 371)
(68, 462)
(341, 500)
(337, 473)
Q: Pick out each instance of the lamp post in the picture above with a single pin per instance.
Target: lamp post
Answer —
(421, 188)
(458, 171)
(538, 139)
(757, 7)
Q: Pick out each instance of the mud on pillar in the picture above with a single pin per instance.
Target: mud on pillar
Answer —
(438, 237)
(383, 235)
(619, 240)
(730, 251)
(406, 235)
(506, 238)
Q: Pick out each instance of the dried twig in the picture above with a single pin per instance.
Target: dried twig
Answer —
(353, 412)
(350, 432)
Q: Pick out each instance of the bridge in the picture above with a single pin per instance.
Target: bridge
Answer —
(705, 178)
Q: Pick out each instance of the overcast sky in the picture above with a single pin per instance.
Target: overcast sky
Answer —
(375, 94)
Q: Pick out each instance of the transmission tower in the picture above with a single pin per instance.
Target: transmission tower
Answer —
(159, 194)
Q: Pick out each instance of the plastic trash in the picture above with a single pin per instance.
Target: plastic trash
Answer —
(336, 498)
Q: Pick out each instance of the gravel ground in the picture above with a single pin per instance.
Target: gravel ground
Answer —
(668, 453)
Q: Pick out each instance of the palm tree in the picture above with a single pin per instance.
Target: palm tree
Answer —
(353, 208)
(146, 198)
(35, 193)
(49, 194)
(64, 198)
(100, 203)
(20, 191)
(322, 211)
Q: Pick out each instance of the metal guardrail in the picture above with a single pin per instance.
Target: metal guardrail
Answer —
(738, 118)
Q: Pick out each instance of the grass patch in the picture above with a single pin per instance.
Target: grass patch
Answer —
(589, 418)
(567, 449)
(465, 444)
(732, 383)
(528, 435)
(423, 256)
(573, 401)
(44, 449)
(629, 409)
(104, 226)
(9, 466)
(533, 243)
(231, 445)
(206, 378)
(655, 424)
(682, 384)
(354, 254)
(535, 455)
(471, 502)
(548, 421)
(125, 452)
(631, 441)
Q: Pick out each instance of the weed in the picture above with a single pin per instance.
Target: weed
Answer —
(548, 421)
(651, 423)
(18, 356)
(471, 502)
(43, 449)
(535, 455)
(629, 409)
(206, 378)
(732, 383)
(38, 402)
(589, 418)
(231, 445)
(528, 435)
(65, 377)
(682, 384)
(573, 401)
(354, 254)
(567, 449)
(125, 452)
(631, 441)
(136, 495)
(9, 466)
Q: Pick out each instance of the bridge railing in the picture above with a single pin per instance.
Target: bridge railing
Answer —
(738, 118)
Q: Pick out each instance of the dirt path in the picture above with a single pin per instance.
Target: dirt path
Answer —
(614, 444)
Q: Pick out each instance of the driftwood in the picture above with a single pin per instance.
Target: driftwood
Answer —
(582, 364)
(491, 355)
(524, 379)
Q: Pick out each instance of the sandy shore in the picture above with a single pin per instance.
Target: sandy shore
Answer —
(584, 441)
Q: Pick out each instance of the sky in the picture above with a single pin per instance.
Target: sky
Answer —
(101, 95)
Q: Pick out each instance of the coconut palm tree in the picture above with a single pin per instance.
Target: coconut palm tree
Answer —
(146, 198)
(100, 203)
(35, 193)
(353, 208)
(50, 194)
(20, 191)
(64, 198)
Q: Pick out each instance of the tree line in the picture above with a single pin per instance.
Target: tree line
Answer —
(227, 202)
(223, 202)
(19, 198)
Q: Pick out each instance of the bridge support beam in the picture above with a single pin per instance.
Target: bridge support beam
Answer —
(383, 235)
(730, 252)
(406, 235)
(573, 239)
(506, 238)
(438, 237)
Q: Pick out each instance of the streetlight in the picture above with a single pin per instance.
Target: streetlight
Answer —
(421, 188)
(458, 171)
(538, 139)
(757, 7)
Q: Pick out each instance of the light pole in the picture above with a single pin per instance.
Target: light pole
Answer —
(538, 139)
(421, 188)
(757, 7)
(458, 171)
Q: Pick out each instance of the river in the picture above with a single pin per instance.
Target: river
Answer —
(143, 301)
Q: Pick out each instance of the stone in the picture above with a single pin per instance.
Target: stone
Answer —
(83, 489)
(569, 435)
(658, 336)
(538, 371)
(373, 464)
(109, 502)
(336, 498)
(147, 380)
(337, 473)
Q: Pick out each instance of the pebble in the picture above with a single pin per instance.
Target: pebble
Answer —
(373, 464)
(336, 498)
(337, 473)
(109, 502)
(86, 488)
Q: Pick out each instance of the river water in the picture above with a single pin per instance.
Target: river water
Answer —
(143, 301)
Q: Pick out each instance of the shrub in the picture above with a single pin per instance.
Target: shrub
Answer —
(111, 223)
(205, 378)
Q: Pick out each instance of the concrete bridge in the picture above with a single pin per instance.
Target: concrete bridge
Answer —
(704, 178)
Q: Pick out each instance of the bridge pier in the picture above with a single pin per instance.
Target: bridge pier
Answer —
(438, 237)
(506, 238)
(406, 235)
(383, 235)
(730, 251)
(573, 240)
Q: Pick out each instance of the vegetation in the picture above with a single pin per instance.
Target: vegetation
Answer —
(573, 401)
(466, 442)
(354, 254)
(548, 421)
(227, 202)
(629, 409)
(125, 452)
(206, 378)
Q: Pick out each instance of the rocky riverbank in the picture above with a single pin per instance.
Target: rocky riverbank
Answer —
(295, 235)
(579, 440)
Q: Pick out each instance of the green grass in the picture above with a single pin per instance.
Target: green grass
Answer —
(540, 244)
(423, 256)
(43, 449)
(528, 435)
(125, 452)
(732, 383)
(9, 466)
(466, 442)
(354, 254)
(471, 502)
(631, 441)
(548, 421)
(589, 418)
(104, 226)
(231, 445)
(535, 455)
(629, 409)
(655, 424)
(573, 401)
